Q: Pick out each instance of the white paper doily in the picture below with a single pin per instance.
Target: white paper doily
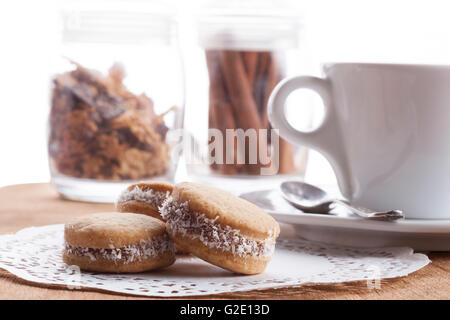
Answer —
(34, 254)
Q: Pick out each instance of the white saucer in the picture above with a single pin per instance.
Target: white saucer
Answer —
(349, 230)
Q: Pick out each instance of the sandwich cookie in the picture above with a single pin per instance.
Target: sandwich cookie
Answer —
(144, 198)
(220, 228)
(117, 242)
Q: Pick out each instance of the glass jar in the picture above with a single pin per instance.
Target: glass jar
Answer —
(116, 93)
(243, 50)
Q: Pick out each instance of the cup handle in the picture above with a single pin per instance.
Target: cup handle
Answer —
(326, 138)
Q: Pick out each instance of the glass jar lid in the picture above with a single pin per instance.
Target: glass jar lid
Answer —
(248, 25)
(118, 21)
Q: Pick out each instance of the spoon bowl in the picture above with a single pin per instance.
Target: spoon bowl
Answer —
(309, 198)
(306, 197)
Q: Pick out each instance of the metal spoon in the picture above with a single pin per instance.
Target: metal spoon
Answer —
(309, 198)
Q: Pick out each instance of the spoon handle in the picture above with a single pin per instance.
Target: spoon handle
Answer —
(370, 214)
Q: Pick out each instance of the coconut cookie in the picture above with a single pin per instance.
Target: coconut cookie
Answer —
(144, 197)
(220, 228)
(117, 242)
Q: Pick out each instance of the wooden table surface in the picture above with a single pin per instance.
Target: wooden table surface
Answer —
(38, 204)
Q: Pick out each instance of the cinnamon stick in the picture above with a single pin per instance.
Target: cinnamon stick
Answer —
(270, 83)
(220, 111)
(250, 59)
(286, 152)
(244, 105)
(286, 157)
(240, 86)
(260, 79)
(239, 90)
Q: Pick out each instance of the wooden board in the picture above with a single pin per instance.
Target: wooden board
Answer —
(38, 204)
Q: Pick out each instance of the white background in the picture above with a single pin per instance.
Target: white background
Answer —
(344, 30)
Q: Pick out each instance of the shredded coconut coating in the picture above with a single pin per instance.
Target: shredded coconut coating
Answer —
(198, 226)
(149, 248)
(150, 196)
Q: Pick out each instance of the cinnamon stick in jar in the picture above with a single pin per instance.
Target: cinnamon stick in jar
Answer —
(244, 106)
(260, 79)
(220, 112)
(240, 85)
(239, 90)
(286, 150)
(250, 59)
(286, 157)
(271, 79)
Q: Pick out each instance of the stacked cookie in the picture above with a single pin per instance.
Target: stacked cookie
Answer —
(117, 242)
(145, 198)
(209, 223)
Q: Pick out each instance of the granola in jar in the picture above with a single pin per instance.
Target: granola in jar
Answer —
(100, 130)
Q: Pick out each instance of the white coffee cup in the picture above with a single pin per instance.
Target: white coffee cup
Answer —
(386, 133)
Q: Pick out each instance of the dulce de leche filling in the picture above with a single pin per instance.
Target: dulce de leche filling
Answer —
(149, 248)
(197, 226)
(150, 196)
